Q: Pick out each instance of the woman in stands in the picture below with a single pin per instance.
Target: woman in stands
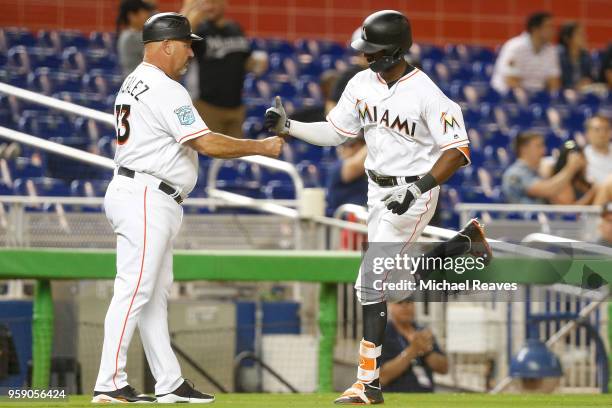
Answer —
(574, 58)
(131, 18)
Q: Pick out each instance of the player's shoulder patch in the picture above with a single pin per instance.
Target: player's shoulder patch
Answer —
(185, 115)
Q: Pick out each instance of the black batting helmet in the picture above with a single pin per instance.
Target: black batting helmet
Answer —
(167, 26)
(385, 30)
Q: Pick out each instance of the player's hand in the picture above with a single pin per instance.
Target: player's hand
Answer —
(400, 200)
(272, 146)
(275, 119)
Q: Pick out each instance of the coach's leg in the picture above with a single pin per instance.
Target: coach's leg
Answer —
(153, 327)
(131, 209)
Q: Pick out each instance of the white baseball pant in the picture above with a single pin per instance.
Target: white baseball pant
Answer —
(384, 226)
(146, 221)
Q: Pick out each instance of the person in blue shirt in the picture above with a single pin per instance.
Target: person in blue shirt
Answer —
(347, 182)
(522, 183)
(410, 353)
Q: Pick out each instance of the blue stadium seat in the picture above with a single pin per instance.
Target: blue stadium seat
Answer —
(15, 77)
(46, 81)
(310, 173)
(100, 82)
(101, 59)
(43, 57)
(25, 167)
(88, 188)
(432, 52)
(43, 186)
(285, 90)
(308, 65)
(19, 36)
(102, 40)
(276, 189)
(252, 127)
(106, 146)
(5, 189)
(280, 46)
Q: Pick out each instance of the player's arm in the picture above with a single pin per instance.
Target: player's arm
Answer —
(226, 147)
(317, 133)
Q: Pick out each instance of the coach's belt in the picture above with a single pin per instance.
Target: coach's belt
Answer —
(390, 181)
(166, 188)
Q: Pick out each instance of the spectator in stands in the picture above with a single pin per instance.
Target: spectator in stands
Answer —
(130, 20)
(606, 67)
(579, 191)
(224, 58)
(574, 58)
(598, 152)
(347, 182)
(529, 61)
(605, 225)
(521, 182)
(410, 353)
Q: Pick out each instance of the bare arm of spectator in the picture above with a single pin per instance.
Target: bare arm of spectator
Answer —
(192, 9)
(437, 362)
(352, 168)
(549, 187)
(395, 367)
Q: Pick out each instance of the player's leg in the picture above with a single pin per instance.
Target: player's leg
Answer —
(153, 328)
(383, 226)
(142, 229)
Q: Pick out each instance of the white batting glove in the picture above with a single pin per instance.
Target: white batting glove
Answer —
(276, 118)
(402, 199)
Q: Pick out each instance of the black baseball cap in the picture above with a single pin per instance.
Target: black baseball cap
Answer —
(167, 26)
(131, 6)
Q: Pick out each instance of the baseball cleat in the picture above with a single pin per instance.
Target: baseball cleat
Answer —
(125, 395)
(185, 393)
(361, 394)
(479, 247)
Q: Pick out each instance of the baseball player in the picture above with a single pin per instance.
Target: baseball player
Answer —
(159, 136)
(416, 139)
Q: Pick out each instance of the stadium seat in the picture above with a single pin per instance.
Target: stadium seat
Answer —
(100, 82)
(88, 188)
(279, 46)
(19, 36)
(42, 186)
(46, 81)
(276, 189)
(310, 173)
(102, 40)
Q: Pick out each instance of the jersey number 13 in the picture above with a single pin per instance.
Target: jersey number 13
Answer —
(122, 113)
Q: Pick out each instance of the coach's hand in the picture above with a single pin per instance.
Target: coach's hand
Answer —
(402, 199)
(275, 119)
(272, 146)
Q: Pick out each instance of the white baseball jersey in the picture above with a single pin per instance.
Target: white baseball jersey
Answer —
(406, 127)
(154, 118)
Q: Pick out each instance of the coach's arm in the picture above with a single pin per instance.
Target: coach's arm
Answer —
(221, 146)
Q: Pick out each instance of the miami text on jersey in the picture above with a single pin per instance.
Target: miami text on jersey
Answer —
(370, 115)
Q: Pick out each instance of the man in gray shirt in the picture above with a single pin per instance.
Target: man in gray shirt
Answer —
(130, 20)
(521, 182)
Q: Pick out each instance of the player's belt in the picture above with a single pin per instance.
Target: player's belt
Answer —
(164, 187)
(391, 181)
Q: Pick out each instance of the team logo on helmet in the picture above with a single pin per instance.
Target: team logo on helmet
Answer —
(448, 121)
(185, 115)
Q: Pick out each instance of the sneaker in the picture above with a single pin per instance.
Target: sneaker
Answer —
(123, 395)
(361, 394)
(479, 247)
(185, 393)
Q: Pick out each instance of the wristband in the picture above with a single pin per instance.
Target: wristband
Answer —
(426, 183)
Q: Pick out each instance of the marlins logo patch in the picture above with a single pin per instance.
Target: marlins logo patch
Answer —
(185, 115)
(448, 121)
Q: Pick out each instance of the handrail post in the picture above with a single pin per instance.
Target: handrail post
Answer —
(328, 312)
(42, 334)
